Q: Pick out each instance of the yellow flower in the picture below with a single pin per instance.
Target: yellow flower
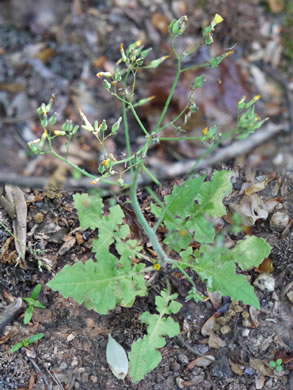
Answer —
(256, 98)
(242, 100)
(217, 19)
(106, 162)
(35, 141)
(205, 131)
(157, 266)
(45, 135)
(103, 74)
(58, 132)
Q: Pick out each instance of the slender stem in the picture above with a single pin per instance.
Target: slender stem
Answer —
(178, 266)
(174, 120)
(74, 166)
(138, 119)
(170, 96)
(163, 258)
(195, 67)
(149, 173)
(178, 138)
(68, 146)
(125, 121)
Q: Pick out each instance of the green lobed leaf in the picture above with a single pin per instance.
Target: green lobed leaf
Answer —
(203, 229)
(212, 193)
(143, 359)
(222, 276)
(186, 219)
(101, 285)
(250, 252)
(112, 229)
(89, 210)
(181, 200)
(144, 355)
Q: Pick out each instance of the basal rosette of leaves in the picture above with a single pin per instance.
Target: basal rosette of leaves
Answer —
(113, 280)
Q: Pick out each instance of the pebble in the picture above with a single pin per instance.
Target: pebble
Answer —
(180, 382)
(222, 320)
(182, 358)
(279, 221)
(290, 296)
(265, 282)
(39, 218)
(225, 329)
(63, 366)
(94, 379)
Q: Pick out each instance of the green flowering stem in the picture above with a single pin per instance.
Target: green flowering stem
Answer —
(138, 119)
(179, 138)
(163, 258)
(195, 67)
(156, 130)
(151, 175)
(176, 119)
(76, 167)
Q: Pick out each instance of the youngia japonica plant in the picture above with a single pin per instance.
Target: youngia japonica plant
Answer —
(118, 273)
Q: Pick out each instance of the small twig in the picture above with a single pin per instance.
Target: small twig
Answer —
(20, 118)
(43, 376)
(71, 383)
(10, 313)
(55, 379)
(166, 172)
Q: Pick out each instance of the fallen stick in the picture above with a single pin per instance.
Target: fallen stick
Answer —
(10, 313)
(161, 171)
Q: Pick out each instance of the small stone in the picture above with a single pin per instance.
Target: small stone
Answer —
(246, 323)
(245, 332)
(265, 282)
(63, 366)
(222, 320)
(237, 309)
(182, 358)
(180, 382)
(70, 337)
(290, 296)
(38, 218)
(94, 379)
(279, 221)
(197, 379)
(225, 329)
(230, 313)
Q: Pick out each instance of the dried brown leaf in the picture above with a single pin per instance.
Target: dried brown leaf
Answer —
(202, 361)
(216, 341)
(208, 325)
(16, 197)
(237, 368)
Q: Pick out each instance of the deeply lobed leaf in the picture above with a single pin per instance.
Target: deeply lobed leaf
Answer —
(144, 355)
(187, 208)
(101, 285)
